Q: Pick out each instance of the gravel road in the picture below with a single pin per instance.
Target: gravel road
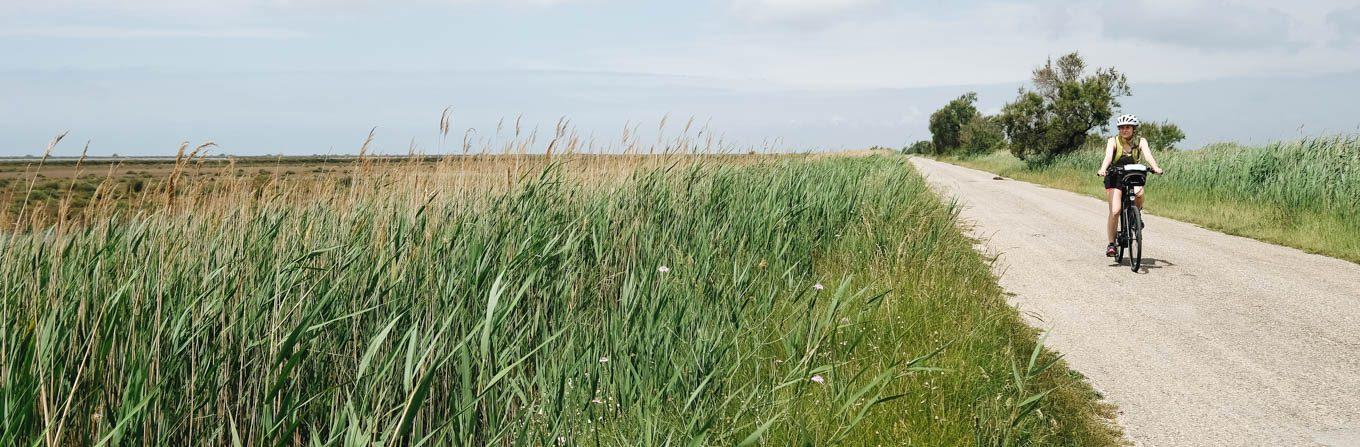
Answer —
(1219, 341)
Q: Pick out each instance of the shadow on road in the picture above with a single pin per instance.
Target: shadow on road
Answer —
(1157, 263)
(1148, 264)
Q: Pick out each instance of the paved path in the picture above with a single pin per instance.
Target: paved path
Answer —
(1219, 341)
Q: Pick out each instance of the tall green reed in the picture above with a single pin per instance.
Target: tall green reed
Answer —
(693, 302)
(682, 305)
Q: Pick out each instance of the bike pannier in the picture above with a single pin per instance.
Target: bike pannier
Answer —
(1134, 175)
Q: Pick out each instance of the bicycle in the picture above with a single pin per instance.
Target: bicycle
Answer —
(1130, 230)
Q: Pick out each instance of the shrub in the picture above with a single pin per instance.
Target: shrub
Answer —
(1161, 135)
(982, 135)
(946, 124)
(919, 147)
(1066, 103)
(1095, 142)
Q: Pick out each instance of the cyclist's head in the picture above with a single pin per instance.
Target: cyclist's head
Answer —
(1127, 124)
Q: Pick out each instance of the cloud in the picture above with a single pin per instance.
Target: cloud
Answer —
(211, 10)
(105, 32)
(1001, 42)
(749, 44)
(1214, 25)
(804, 13)
(1346, 23)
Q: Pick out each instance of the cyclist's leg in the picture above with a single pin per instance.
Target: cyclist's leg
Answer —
(1115, 197)
(1138, 196)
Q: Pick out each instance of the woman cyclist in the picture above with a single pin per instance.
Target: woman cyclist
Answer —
(1124, 149)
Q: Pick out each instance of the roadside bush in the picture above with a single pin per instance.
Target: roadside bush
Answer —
(919, 147)
(1066, 103)
(982, 135)
(1095, 142)
(946, 124)
(1161, 135)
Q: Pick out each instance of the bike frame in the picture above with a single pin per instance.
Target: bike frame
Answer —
(1130, 232)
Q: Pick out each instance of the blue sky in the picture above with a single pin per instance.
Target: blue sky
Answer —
(313, 76)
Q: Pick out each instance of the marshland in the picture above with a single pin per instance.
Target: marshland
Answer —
(662, 297)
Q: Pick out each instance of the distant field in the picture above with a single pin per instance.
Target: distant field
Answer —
(744, 300)
(126, 180)
(65, 168)
(46, 186)
(1303, 194)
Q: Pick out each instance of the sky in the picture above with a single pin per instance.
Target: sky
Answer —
(314, 76)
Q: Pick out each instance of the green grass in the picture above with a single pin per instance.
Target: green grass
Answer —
(687, 305)
(1301, 194)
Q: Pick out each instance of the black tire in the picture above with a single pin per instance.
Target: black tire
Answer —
(1119, 241)
(1135, 239)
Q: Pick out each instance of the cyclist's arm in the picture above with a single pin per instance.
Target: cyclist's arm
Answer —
(1147, 153)
(1109, 151)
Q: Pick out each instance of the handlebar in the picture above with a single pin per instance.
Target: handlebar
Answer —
(1108, 172)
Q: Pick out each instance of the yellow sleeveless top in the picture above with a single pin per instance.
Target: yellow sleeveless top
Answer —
(1129, 151)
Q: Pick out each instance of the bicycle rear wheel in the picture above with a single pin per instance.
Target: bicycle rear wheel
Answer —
(1135, 229)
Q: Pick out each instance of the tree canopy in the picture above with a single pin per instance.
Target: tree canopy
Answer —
(1064, 105)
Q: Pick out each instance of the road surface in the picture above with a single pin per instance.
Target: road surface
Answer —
(1219, 341)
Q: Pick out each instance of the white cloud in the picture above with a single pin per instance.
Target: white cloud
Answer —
(103, 32)
(1207, 25)
(1346, 23)
(803, 13)
(229, 9)
(818, 44)
(1001, 42)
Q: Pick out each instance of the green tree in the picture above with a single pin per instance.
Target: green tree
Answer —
(1065, 104)
(919, 147)
(1161, 135)
(982, 135)
(946, 124)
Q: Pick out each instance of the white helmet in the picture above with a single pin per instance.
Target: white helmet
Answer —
(1127, 120)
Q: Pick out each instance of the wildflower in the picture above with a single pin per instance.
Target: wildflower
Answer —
(818, 378)
(845, 321)
(818, 286)
(604, 359)
(597, 401)
(663, 269)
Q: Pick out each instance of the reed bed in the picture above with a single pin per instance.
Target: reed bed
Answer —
(524, 301)
(1304, 193)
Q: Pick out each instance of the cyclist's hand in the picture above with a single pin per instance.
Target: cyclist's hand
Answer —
(1100, 173)
(1159, 171)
